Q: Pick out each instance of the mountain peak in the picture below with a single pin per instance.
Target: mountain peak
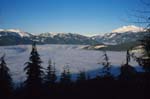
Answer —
(129, 28)
(16, 31)
(13, 30)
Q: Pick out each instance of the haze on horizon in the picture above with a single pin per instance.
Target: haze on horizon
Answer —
(75, 16)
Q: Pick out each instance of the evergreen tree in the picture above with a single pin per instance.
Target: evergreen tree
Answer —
(145, 59)
(63, 76)
(66, 76)
(127, 72)
(106, 65)
(5, 79)
(51, 74)
(34, 72)
(88, 77)
(81, 77)
(127, 57)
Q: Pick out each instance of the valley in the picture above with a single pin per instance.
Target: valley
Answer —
(74, 56)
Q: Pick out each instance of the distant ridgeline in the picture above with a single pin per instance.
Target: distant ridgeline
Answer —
(116, 40)
(9, 37)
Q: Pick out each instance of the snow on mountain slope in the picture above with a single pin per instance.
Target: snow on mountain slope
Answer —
(21, 33)
(122, 35)
(48, 34)
(65, 38)
(65, 35)
(15, 35)
(130, 28)
(14, 32)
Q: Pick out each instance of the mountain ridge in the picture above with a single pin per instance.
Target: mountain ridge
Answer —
(120, 35)
(129, 28)
(14, 37)
(129, 33)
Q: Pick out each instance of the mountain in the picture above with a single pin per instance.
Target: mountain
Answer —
(121, 35)
(120, 39)
(65, 38)
(15, 37)
(130, 28)
(14, 32)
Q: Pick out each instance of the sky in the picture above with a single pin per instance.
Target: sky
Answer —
(86, 17)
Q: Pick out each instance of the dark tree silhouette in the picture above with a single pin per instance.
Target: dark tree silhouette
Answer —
(5, 79)
(127, 57)
(65, 76)
(82, 76)
(106, 65)
(50, 74)
(144, 18)
(33, 83)
(145, 59)
(127, 72)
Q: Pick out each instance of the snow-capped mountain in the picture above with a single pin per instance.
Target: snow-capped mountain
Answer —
(14, 32)
(65, 38)
(130, 28)
(15, 36)
(52, 34)
(122, 35)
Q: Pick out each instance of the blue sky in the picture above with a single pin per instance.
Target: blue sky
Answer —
(78, 16)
